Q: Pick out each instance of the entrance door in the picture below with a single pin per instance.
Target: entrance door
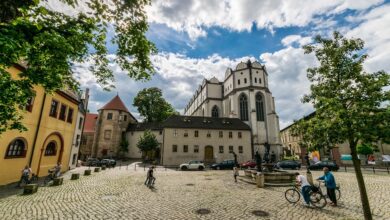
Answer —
(208, 154)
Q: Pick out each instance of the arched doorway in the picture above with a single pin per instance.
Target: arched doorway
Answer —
(51, 153)
(208, 154)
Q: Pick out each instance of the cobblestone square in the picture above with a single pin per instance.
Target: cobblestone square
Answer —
(120, 193)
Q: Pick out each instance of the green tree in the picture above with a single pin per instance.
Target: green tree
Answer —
(147, 143)
(123, 146)
(152, 105)
(351, 105)
(365, 149)
(50, 42)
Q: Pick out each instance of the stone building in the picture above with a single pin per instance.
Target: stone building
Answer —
(88, 136)
(243, 94)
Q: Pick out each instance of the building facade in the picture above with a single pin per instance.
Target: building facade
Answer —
(88, 136)
(243, 94)
(51, 121)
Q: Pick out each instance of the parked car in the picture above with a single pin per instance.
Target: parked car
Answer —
(192, 165)
(92, 162)
(288, 164)
(108, 162)
(226, 164)
(321, 164)
(249, 163)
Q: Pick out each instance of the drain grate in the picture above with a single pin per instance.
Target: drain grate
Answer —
(203, 211)
(260, 213)
(189, 184)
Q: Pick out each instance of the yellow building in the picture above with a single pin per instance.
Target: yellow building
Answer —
(51, 121)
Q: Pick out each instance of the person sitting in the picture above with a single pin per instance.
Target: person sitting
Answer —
(57, 170)
(25, 176)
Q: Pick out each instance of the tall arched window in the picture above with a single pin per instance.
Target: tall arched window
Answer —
(259, 107)
(243, 107)
(17, 148)
(51, 149)
(214, 112)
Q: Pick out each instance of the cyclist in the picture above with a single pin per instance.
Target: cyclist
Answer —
(330, 184)
(305, 187)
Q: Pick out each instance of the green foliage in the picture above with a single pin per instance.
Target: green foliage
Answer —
(152, 105)
(147, 142)
(50, 42)
(365, 149)
(124, 146)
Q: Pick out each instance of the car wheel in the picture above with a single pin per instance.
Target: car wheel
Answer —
(184, 168)
(297, 168)
(218, 168)
(201, 168)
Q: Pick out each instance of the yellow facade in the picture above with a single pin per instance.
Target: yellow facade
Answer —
(43, 131)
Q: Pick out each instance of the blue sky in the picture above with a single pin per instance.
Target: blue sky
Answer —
(199, 39)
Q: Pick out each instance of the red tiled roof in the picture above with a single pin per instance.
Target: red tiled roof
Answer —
(90, 122)
(115, 104)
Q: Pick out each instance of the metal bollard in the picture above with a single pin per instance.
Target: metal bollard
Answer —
(345, 167)
(144, 167)
(127, 167)
(388, 170)
(373, 169)
(135, 167)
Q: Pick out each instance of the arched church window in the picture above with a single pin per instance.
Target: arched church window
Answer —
(214, 112)
(243, 107)
(259, 107)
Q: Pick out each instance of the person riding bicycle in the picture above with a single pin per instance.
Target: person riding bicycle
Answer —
(305, 187)
(25, 175)
(330, 184)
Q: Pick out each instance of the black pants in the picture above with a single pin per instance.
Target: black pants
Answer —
(24, 179)
(332, 195)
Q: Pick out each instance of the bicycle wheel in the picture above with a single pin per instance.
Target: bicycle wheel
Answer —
(338, 194)
(317, 199)
(292, 195)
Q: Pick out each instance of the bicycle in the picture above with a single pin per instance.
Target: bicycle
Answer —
(317, 199)
(337, 190)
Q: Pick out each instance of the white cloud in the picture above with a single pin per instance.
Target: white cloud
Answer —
(291, 39)
(194, 16)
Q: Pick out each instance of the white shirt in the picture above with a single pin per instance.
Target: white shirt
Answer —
(302, 179)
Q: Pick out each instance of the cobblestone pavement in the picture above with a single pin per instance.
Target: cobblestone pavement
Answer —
(121, 194)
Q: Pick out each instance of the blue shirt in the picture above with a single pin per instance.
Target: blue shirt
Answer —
(329, 180)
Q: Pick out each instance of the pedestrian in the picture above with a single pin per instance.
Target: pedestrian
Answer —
(25, 176)
(305, 187)
(235, 173)
(149, 177)
(330, 184)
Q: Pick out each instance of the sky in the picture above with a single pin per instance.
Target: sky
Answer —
(199, 39)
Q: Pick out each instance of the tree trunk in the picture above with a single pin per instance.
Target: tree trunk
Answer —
(360, 180)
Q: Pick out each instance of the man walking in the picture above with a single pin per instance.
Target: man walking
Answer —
(330, 184)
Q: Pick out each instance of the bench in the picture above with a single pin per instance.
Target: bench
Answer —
(87, 172)
(30, 188)
(75, 176)
(58, 181)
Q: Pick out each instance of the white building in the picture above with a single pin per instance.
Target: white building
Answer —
(243, 94)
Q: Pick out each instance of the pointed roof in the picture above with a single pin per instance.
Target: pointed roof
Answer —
(115, 104)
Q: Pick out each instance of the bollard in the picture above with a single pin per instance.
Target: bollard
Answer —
(388, 170)
(144, 167)
(260, 180)
(127, 167)
(345, 167)
(373, 169)
(135, 167)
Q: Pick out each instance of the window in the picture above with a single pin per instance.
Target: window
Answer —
(185, 148)
(62, 112)
(53, 109)
(185, 133)
(109, 116)
(174, 148)
(240, 149)
(208, 134)
(255, 80)
(80, 123)
(196, 148)
(245, 80)
(259, 80)
(214, 112)
(77, 140)
(51, 149)
(221, 149)
(70, 116)
(220, 134)
(196, 134)
(239, 134)
(160, 132)
(30, 103)
(238, 82)
(230, 134)
(243, 107)
(259, 107)
(74, 158)
(230, 149)
(17, 148)
(107, 134)
(175, 133)
(125, 118)
(83, 140)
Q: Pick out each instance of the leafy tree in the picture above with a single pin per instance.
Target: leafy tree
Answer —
(152, 105)
(49, 42)
(351, 105)
(148, 142)
(123, 146)
(365, 149)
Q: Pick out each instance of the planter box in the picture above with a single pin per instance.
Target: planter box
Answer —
(75, 176)
(103, 167)
(87, 172)
(58, 181)
(30, 188)
(97, 169)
